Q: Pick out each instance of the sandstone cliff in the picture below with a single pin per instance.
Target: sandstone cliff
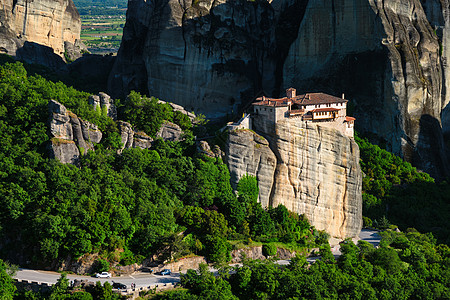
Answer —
(385, 55)
(388, 56)
(209, 56)
(311, 169)
(46, 22)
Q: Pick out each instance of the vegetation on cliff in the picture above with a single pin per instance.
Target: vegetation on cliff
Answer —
(394, 192)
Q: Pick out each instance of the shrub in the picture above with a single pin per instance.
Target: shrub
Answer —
(367, 222)
(269, 250)
(102, 265)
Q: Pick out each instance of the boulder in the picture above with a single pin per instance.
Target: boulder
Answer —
(142, 140)
(74, 51)
(126, 134)
(170, 132)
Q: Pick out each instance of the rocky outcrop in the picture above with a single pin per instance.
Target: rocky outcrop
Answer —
(170, 132)
(46, 22)
(34, 53)
(132, 139)
(204, 148)
(180, 109)
(70, 135)
(310, 169)
(75, 50)
(103, 103)
(400, 99)
(249, 153)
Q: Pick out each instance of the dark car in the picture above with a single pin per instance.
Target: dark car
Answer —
(120, 286)
(166, 272)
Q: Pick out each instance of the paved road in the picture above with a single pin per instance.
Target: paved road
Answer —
(146, 279)
(140, 279)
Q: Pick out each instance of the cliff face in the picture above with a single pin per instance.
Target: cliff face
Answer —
(209, 56)
(46, 22)
(249, 153)
(312, 170)
(388, 56)
(385, 55)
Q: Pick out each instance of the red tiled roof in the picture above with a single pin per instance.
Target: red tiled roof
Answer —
(305, 99)
(348, 119)
(317, 98)
(329, 109)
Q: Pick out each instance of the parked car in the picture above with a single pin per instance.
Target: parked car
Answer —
(103, 275)
(118, 285)
(166, 272)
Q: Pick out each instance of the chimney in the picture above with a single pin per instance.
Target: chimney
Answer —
(343, 96)
(291, 93)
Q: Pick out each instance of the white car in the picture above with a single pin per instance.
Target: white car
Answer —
(103, 275)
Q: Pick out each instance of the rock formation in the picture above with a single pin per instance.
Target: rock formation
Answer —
(385, 56)
(249, 153)
(311, 169)
(70, 135)
(204, 148)
(206, 55)
(131, 138)
(103, 102)
(170, 132)
(74, 51)
(46, 22)
(388, 56)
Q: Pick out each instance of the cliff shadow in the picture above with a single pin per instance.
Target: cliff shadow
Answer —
(238, 46)
(430, 155)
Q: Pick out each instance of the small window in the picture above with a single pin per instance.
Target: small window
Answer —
(270, 110)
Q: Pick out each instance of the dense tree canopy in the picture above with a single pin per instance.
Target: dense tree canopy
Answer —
(405, 266)
(394, 192)
(136, 202)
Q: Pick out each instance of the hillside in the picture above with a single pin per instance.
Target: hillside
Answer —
(127, 206)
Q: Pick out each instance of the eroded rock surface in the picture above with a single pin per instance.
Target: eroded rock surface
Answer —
(388, 56)
(46, 22)
(170, 132)
(310, 169)
(249, 153)
(104, 103)
(72, 136)
(209, 56)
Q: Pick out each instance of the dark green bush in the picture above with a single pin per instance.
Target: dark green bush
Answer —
(269, 250)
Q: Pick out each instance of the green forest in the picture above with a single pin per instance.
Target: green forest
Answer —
(136, 202)
(127, 207)
(406, 265)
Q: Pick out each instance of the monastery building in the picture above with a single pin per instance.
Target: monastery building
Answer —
(319, 108)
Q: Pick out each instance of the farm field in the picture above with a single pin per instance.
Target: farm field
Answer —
(102, 34)
(102, 24)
